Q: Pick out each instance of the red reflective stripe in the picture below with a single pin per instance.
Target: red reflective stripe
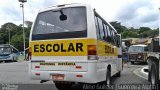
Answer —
(78, 67)
(79, 75)
(37, 66)
(37, 74)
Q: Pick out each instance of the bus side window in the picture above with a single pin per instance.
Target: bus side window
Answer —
(109, 34)
(101, 28)
(105, 32)
(113, 37)
(14, 50)
(118, 40)
(97, 28)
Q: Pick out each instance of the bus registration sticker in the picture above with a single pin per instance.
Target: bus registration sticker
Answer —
(58, 77)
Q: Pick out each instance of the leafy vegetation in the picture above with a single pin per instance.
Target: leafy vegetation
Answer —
(16, 34)
(142, 32)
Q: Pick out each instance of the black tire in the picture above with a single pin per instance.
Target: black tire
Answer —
(63, 85)
(108, 77)
(118, 74)
(12, 59)
(149, 70)
(6, 61)
(15, 60)
(132, 62)
(154, 79)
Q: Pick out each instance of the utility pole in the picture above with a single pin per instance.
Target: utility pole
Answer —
(22, 5)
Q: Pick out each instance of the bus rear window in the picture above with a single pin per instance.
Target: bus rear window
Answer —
(59, 24)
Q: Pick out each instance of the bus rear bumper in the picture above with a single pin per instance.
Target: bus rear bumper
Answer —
(84, 77)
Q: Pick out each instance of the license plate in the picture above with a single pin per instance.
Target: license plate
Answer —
(58, 77)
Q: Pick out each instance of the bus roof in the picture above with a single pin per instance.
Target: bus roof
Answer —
(62, 6)
(4, 45)
(7, 45)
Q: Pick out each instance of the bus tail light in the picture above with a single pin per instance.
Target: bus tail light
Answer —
(30, 53)
(79, 76)
(78, 67)
(37, 66)
(92, 52)
(37, 74)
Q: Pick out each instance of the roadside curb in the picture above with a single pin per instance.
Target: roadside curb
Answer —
(140, 72)
(143, 70)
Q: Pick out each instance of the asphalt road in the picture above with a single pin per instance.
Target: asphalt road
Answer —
(15, 76)
(132, 77)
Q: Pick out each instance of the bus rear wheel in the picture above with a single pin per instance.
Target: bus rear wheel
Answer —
(108, 77)
(60, 85)
(118, 74)
(154, 78)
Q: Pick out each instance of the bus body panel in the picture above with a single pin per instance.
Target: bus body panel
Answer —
(60, 65)
(93, 75)
(66, 65)
(107, 54)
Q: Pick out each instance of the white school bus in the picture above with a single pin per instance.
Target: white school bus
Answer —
(73, 43)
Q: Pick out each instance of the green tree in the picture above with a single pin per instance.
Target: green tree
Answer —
(5, 29)
(16, 33)
(129, 34)
(144, 29)
(17, 41)
(28, 24)
(117, 25)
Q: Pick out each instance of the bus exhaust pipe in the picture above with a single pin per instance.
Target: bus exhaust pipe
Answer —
(42, 81)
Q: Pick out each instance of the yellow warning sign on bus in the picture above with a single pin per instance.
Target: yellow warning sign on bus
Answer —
(61, 47)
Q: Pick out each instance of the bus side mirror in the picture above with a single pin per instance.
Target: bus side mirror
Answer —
(118, 40)
(63, 17)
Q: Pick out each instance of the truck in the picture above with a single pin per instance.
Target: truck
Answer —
(138, 53)
(153, 57)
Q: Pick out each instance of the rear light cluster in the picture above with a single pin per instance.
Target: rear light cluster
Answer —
(79, 76)
(78, 67)
(37, 66)
(37, 74)
(92, 52)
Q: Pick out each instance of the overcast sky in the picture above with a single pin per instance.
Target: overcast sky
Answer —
(131, 13)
